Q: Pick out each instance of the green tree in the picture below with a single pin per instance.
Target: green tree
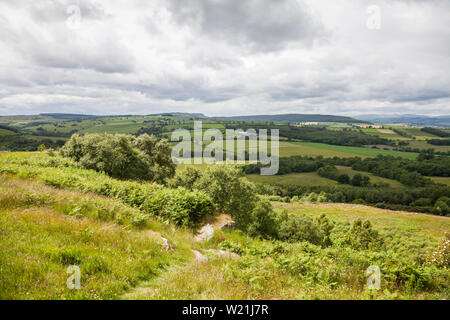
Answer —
(442, 206)
(356, 180)
(122, 156)
(263, 222)
(186, 178)
(343, 178)
(362, 236)
(230, 191)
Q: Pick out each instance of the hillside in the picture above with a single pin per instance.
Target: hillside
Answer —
(420, 120)
(294, 117)
(55, 215)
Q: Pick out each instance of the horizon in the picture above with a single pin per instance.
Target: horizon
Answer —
(227, 116)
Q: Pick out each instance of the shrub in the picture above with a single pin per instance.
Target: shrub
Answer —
(343, 178)
(441, 256)
(122, 156)
(186, 178)
(362, 236)
(442, 206)
(297, 228)
(263, 221)
(230, 192)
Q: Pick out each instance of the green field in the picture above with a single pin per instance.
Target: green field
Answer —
(422, 144)
(327, 150)
(300, 179)
(4, 132)
(443, 180)
(309, 179)
(384, 133)
(373, 178)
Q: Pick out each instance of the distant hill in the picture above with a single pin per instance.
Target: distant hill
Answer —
(293, 117)
(420, 120)
(181, 114)
(66, 116)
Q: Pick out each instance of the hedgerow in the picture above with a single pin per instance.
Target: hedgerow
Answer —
(180, 206)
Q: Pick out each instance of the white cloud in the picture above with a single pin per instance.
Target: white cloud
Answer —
(225, 57)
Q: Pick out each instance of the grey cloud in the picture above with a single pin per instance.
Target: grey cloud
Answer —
(47, 40)
(258, 25)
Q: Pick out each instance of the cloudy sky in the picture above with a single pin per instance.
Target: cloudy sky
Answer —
(225, 57)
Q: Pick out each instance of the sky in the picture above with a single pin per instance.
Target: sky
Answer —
(225, 57)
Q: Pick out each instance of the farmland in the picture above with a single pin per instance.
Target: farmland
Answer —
(341, 151)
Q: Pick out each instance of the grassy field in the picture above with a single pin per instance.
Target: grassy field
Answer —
(4, 132)
(422, 144)
(44, 230)
(300, 179)
(423, 228)
(443, 180)
(308, 179)
(327, 150)
(385, 133)
(373, 178)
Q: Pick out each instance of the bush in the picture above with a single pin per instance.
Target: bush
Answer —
(343, 178)
(441, 256)
(122, 156)
(186, 178)
(263, 221)
(362, 236)
(297, 228)
(230, 192)
(442, 206)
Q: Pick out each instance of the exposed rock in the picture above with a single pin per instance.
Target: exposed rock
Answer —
(205, 233)
(224, 254)
(199, 257)
(166, 244)
(217, 222)
(228, 225)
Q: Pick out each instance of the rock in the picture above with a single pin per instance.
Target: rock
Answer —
(205, 233)
(228, 225)
(224, 254)
(199, 257)
(166, 244)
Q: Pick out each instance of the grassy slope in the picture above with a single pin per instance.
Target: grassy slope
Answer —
(45, 229)
(301, 179)
(261, 275)
(443, 180)
(373, 178)
(4, 132)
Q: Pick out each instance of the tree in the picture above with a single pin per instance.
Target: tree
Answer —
(343, 178)
(186, 178)
(230, 191)
(442, 206)
(41, 148)
(363, 236)
(122, 156)
(263, 221)
(356, 180)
